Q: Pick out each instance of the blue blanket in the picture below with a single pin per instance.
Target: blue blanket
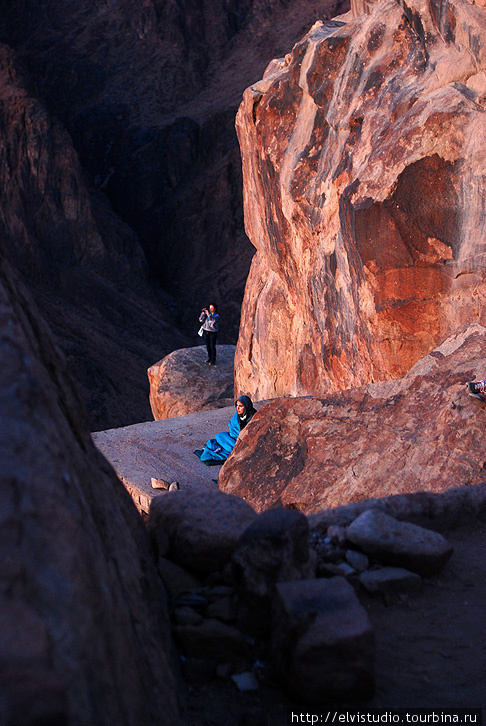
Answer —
(219, 448)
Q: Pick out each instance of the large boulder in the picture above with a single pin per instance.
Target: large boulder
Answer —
(399, 543)
(322, 642)
(84, 628)
(183, 383)
(418, 433)
(364, 167)
(274, 548)
(202, 526)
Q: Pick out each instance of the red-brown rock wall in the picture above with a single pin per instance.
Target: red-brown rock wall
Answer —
(418, 433)
(149, 92)
(363, 162)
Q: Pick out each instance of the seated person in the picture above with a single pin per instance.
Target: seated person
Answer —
(218, 449)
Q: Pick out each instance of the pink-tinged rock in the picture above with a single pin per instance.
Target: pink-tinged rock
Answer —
(420, 433)
(182, 382)
(322, 641)
(364, 167)
(403, 544)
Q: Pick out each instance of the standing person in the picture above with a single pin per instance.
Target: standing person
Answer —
(210, 320)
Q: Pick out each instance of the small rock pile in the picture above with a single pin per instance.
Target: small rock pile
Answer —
(262, 599)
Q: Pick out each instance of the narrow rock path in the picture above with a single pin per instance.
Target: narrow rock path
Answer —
(162, 449)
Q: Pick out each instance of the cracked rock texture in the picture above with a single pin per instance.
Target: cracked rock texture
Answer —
(364, 161)
(420, 433)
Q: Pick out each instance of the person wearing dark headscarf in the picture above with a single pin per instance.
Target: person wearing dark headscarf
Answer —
(218, 449)
(245, 410)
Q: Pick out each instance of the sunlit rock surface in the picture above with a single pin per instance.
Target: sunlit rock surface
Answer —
(420, 433)
(364, 160)
(183, 382)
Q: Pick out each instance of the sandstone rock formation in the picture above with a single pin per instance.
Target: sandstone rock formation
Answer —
(323, 641)
(84, 635)
(449, 509)
(418, 433)
(399, 543)
(363, 162)
(182, 383)
(274, 548)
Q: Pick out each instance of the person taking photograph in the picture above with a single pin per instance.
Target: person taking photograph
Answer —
(210, 326)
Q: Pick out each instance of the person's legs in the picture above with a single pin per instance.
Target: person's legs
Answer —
(207, 340)
(216, 450)
(212, 348)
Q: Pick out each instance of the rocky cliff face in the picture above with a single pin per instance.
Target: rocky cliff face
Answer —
(84, 265)
(364, 170)
(421, 432)
(149, 170)
(149, 92)
(84, 627)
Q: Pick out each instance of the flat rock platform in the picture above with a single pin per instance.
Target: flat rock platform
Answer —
(165, 450)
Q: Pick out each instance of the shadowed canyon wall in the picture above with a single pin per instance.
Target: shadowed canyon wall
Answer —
(364, 167)
(83, 264)
(84, 625)
(147, 93)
